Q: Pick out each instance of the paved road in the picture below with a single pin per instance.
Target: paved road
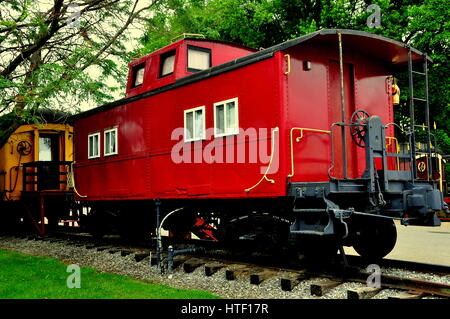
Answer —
(421, 244)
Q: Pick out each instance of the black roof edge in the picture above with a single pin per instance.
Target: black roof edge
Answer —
(237, 63)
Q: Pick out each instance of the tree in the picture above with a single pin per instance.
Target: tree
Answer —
(263, 23)
(49, 51)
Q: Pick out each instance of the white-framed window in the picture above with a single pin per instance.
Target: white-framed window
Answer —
(226, 119)
(110, 141)
(94, 145)
(194, 124)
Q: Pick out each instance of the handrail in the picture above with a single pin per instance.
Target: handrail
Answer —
(397, 148)
(72, 176)
(298, 140)
(185, 35)
(43, 163)
(288, 57)
(39, 176)
(247, 190)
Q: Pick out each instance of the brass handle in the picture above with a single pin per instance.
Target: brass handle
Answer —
(288, 63)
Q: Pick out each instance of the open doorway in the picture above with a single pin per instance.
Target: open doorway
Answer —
(49, 155)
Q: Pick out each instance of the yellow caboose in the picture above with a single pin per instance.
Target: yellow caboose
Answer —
(34, 166)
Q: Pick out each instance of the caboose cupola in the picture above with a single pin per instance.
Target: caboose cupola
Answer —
(178, 60)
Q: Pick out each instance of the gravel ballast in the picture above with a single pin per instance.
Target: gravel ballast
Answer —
(216, 284)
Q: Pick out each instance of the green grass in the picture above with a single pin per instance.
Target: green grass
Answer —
(30, 277)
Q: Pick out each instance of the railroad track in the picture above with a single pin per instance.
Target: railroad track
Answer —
(256, 272)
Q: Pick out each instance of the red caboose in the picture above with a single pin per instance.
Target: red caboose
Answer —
(290, 141)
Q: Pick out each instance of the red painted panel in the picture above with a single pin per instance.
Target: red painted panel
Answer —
(307, 108)
(146, 145)
(314, 102)
(335, 115)
(147, 165)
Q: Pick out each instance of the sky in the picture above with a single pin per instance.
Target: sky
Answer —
(135, 33)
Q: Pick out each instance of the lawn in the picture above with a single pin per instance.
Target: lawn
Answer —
(30, 277)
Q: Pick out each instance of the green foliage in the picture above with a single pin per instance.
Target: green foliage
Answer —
(263, 23)
(45, 62)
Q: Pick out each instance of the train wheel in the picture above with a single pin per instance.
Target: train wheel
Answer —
(375, 238)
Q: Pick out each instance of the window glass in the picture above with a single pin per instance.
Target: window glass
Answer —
(226, 117)
(111, 141)
(107, 143)
(198, 59)
(220, 119)
(189, 126)
(90, 146)
(167, 63)
(94, 145)
(198, 124)
(231, 117)
(45, 149)
(138, 75)
(49, 147)
(194, 123)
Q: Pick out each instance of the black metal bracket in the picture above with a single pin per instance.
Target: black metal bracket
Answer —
(171, 253)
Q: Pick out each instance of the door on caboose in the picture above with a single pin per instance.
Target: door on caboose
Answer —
(49, 155)
(335, 115)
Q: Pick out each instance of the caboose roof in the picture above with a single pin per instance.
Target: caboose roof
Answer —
(392, 52)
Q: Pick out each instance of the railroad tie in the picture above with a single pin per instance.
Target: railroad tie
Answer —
(321, 288)
(114, 250)
(141, 256)
(362, 293)
(290, 281)
(178, 261)
(235, 271)
(192, 264)
(212, 268)
(258, 277)
(125, 252)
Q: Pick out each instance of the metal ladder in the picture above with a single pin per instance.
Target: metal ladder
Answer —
(425, 100)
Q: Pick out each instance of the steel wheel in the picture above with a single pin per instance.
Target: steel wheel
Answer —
(375, 238)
